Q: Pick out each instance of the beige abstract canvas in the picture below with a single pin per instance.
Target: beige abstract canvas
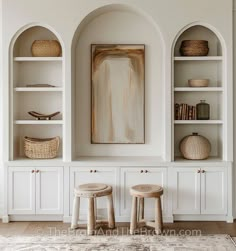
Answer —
(118, 94)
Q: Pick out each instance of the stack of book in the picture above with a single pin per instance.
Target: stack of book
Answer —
(185, 112)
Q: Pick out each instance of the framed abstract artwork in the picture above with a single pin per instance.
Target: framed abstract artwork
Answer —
(117, 94)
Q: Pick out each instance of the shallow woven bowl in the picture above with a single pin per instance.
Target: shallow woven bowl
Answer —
(46, 48)
(198, 82)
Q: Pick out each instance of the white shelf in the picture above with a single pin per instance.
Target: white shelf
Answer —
(38, 122)
(36, 59)
(198, 122)
(188, 161)
(38, 89)
(206, 58)
(198, 89)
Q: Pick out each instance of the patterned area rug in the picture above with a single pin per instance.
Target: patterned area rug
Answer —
(118, 243)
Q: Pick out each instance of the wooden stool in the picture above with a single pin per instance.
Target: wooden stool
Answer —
(92, 191)
(140, 192)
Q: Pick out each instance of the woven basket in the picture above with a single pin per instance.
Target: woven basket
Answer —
(194, 48)
(194, 43)
(195, 147)
(41, 148)
(46, 48)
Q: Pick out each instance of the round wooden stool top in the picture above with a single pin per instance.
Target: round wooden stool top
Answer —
(146, 191)
(93, 190)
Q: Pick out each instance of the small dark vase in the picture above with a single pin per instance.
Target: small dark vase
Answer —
(203, 110)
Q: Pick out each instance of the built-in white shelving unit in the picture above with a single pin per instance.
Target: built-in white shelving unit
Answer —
(204, 67)
(28, 70)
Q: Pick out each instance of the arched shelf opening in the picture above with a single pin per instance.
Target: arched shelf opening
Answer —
(186, 94)
(117, 24)
(36, 84)
(199, 32)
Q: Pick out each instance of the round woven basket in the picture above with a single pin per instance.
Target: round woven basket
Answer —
(195, 147)
(195, 43)
(194, 48)
(46, 48)
(198, 82)
(41, 148)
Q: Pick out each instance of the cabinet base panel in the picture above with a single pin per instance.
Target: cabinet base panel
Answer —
(200, 218)
(35, 218)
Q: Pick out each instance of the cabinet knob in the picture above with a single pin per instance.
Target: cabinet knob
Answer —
(198, 171)
(141, 171)
(203, 171)
(146, 171)
(37, 171)
(94, 171)
(32, 171)
(91, 171)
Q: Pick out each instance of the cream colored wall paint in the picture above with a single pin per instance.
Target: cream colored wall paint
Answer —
(129, 28)
(170, 15)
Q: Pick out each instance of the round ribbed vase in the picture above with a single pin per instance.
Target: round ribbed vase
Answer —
(195, 147)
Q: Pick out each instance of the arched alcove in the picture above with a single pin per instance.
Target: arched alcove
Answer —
(118, 24)
(26, 72)
(209, 67)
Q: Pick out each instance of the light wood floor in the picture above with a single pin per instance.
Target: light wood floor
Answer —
(59, 228)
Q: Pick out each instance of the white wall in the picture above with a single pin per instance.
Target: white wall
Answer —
(125, 28)
(1, 118)
(65, 16)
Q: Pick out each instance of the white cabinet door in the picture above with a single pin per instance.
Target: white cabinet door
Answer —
(49, 190)
(186, 190)
(21, 188)
(80, 175)
(132, 176)
(214, 190)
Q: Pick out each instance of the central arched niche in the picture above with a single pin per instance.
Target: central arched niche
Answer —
(117, 24)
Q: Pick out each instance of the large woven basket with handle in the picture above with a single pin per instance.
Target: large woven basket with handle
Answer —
(41, 148)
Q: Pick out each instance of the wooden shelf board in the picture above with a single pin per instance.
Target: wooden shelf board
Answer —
(118, 160)
(198, 89)
(200, 122)
(38, 122)
(36, 59)
(24, 161)
(210, 159)
(206, 58)
(38, 89)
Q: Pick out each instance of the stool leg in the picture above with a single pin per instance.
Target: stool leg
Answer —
(75, 213)
(111, 216)
(91, 222)
(141, 209)
(133, 222)
(95, 210)
(158, 216)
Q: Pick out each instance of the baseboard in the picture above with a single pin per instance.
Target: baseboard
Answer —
(35, 218)
(201, 218)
